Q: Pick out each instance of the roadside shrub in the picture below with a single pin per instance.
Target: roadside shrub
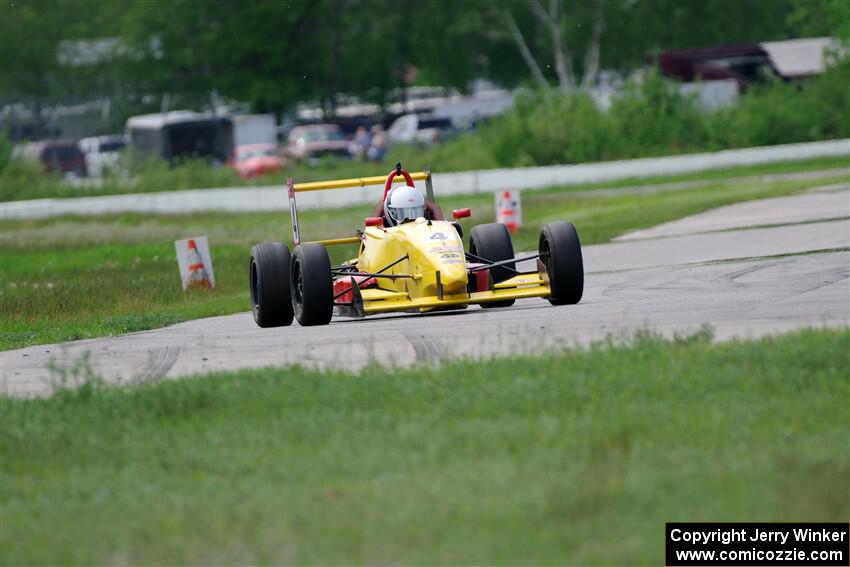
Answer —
(25, 179)
(783, 113)
(5, 150)
(158, 175)
(507, 137)
(546, 129)
(832, 92)
(651, 117)
(465, 152)
(776, 114)
(567, 129)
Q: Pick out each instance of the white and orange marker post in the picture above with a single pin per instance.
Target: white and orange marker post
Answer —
(195, 262)
(509, 209)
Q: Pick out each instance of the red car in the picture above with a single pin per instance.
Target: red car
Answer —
(252, 160)
(56, 156)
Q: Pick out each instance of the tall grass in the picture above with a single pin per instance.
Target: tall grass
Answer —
(577, 458)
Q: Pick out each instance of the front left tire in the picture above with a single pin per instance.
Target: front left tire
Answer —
(493, 242)
(268, 281)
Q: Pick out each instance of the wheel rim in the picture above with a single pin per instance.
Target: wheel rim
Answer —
(545, 256)
(298, 292)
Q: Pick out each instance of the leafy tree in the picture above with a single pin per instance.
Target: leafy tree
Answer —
(821, 18)
(33, 39)
(274, 53)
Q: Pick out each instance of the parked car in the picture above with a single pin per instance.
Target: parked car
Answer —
(316, 140)
(252, 160)
(423, 129)
(56, 156)
(182, 134)
(102, 153)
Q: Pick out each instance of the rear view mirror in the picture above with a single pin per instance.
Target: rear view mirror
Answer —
(374, 221)
(461, 213)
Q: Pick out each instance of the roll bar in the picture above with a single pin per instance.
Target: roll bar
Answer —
(395, 176)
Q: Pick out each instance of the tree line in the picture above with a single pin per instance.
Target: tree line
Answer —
(275, 53)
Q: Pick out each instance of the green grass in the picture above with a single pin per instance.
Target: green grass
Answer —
(575, 458)
(81, 277)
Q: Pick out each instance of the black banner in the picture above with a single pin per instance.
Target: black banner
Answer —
(693, 544)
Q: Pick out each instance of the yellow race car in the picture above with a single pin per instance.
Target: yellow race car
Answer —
(408, 261)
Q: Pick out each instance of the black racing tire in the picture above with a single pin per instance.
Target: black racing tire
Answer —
(268, 282)
(493, 242)
(312, 285)
(560, 250)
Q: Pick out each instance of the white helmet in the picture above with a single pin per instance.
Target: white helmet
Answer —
(404, 203)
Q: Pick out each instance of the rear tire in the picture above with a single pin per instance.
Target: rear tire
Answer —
(312, 285)
(493, 242)
(560, 251)
(268, 281)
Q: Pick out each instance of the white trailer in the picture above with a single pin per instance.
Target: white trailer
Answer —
(254, 129)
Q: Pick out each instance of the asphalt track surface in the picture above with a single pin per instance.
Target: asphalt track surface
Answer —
(747, 270)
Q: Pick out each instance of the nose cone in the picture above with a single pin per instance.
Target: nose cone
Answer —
(452, 275)
(451, 286)
(445, 252)
(439, 250)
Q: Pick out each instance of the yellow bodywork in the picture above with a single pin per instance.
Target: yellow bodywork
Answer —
(429, 247)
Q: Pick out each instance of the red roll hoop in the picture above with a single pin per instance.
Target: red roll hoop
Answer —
(397, 171)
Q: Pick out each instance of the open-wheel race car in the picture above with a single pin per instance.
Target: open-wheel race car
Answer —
(408, 260)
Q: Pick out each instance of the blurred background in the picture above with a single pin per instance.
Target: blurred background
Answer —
(112, 97)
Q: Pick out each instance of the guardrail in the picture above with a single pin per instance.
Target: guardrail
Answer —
(275, 198)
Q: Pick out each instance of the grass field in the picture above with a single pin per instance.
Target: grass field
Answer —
(574, 458)
(72, 278)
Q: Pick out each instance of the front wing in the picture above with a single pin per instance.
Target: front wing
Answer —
(376, 300)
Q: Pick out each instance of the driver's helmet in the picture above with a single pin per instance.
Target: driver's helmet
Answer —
(404, 204)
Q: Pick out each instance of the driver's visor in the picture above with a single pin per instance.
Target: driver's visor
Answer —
(410, 213)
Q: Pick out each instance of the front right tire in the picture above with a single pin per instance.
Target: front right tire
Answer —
(312, 285)
(560, 252)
